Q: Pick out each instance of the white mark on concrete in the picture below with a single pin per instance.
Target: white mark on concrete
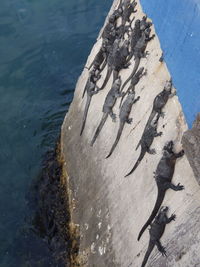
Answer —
(99, 225)
(70, 127)
(86, 226)
(92, 248)
(102, 250)
(99, 214)
(97, 237)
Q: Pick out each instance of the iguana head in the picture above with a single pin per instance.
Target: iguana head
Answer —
(169, 146)
(118, 81)
(131, 95)
(140, 71)
(137, 23)
(111, 19)
(168, 86)
(164, 209)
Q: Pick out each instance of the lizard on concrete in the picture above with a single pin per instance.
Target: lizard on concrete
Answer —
(108, 105)
(144, 24)
(110, 30)
(91, 89)
(139, 51)
(146, 141)
(124, 117)
(135, 79)
(128, 10)
(159, 102)
(92, 79)
(100, 57)
(135, 36)
(116, 60)
(163, 175)
(156, 231)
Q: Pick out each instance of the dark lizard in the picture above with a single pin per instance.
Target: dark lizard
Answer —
(92, 79)
(135, 79)
(128, 10)
(146, 142)
(135, 36)
(144, 24)
(156, 231)
(100, 57)
(163, 175)
(110, 31)
(91, 90)
(124, 117)
(159, 102)
(116, 60)
(109, 103)
(139, 52)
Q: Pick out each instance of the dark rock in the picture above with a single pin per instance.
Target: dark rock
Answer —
(191, 145)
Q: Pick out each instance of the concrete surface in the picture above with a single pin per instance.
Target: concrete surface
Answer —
(111, 209)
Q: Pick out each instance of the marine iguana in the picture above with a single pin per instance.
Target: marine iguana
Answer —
(156, 231)
(139, 52)
(109, 31)
(163, 175)
(124, 117)
(135, 79)
(159, 102)
(116, 60)
(144, 24)
(92, 79)
(100, 57)
(128, 10)
(108, 105)
(135, 36)
(146, 141)
(91, 89)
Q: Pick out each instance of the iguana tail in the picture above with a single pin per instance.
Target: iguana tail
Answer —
(85, 113)
(160, 197)
(147, 254)
(101, 124)
(87, 84)
(124, 95)
(103, 66)
(138, 145)
(109, 71)
(141, 156)
(153, 113)
(130, 56)
(137, 63)
(121, 127)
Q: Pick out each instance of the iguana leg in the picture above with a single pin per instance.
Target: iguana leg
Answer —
(158, 134)
(177, 187)
(113, 116)
(136, 99)
(180, 154)
(129, 120)
(172, 218)
(161, 248)
(162, 114)
(151, 151)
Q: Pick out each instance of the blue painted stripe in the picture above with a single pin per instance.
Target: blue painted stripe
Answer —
(177, 24)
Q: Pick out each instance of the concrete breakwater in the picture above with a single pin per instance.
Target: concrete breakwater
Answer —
(108, 209)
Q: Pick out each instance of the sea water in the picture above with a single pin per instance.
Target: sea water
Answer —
(44, 45)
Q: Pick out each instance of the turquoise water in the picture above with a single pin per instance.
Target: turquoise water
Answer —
(44, 45)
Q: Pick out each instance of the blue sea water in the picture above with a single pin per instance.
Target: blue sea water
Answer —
(177, 24)
(44, 46)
